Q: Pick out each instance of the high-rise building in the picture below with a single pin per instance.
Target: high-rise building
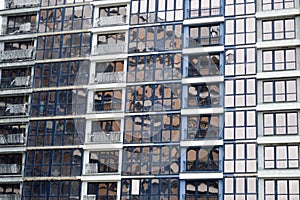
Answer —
(149, 99)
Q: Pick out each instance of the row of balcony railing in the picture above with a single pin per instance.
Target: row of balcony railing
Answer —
(10, 196)
(12, 139)
(20, 54)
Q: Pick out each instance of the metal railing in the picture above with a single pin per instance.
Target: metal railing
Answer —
(89, 197)
(21, 3)
(110, 20)
(91, 168)
(19, 81)
(197, 166)
(110, 77)
(10, 196)
(16, 108)
(9, 169)
(204, 41)
(106, 106)
(17, 54)
(205, 12)
(104, 49)
(12, 139)
(105, 137)
(23, 28)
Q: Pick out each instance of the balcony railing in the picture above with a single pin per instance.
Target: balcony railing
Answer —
(8, 169)
(104, 49)
(12, 139)
(205, 12)
(105, 137)
(10, 196)
(16, 108)
(197, 102)
(197, 166)
(111, 21)
(111, 77)
(21, 3)
(89, 197)
(9, 82)
(91, 168)
(204, 41)
(23, 28)
(17, 54)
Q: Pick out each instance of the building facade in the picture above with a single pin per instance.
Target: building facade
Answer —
(148, 99)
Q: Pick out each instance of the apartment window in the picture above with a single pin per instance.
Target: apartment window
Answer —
(240, 92)
(240, 188)
(278, 29)
(280, 91)
(21, 24)
(57, 74)
(61, 2)
(277, 4)
(11, 163)
(240, 125)
(152, 128)
(202, 158)
(18, 77)
(115, 38)
(107, 161)
(54, 189)
(8, 190)
(203, 95)
(53, 163)
(154, 67)
(155, 38)
(277, 60)
(155, 97)
(61, 132)
(282, 189)
(240, 61)
(13, 106)
(12, 134)
(281, 157)
(204, 36)
(152, 11)
(146, 188)
(20, 45)
(204, 65)
(202, 189)
(203, 8)
(65, 19)
(203, 127)
(151, 160)
(103, 190)
(240, 158)
(240, 31)
(107, 100)
(280, 123)
(239, 7)
(63, 46)
(105, 131)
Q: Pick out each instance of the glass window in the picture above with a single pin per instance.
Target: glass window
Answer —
(204, 8)
(106, 131)
(280, 123)
(277, 4)
(240, 158)
(12, 134)
(21, 24)
(202, 158)
(240, 125)
(154, 68)
(18, 77)
(281, 157)
(204, 65)
(14, 105)
(10, 190)
(146, 188)
(240, 92)
(204, 36)
(203, 95)
(278, 29)
(239, 7)
(152, 128)
(107, 100)
(202, 189)
(155, 97)
(61, 132)
(240, 61)
(151, 160)
(277, 60)
(109, 72)
(240, 31)
(103, 190)
(240, 188)
(282, 189)
(106, 161)
(280, 91)
(11, 164)
(203, 127)
(53, 163)
(20, 45)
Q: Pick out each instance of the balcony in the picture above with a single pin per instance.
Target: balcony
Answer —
(10, 196)
(21, 3)
(16, 108)
(91, 168)
(12, 139)
(104, 49)
(21, 81)
(104, 137)
(111, 77)
(17, 55)
(9, 169)
(111, 21)
(22, 29)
